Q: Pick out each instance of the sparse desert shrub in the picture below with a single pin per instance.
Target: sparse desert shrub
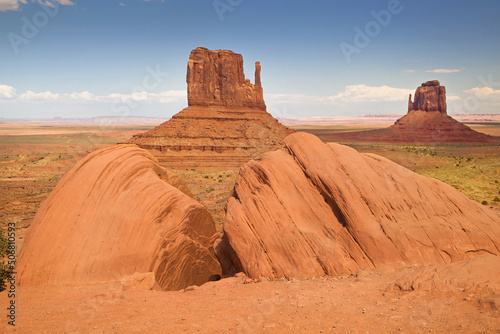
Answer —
(484, 203)
(4, 271)
(496, 199)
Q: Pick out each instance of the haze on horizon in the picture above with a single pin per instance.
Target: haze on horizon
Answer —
(77, 59)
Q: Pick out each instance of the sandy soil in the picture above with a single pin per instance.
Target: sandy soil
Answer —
(366, 303)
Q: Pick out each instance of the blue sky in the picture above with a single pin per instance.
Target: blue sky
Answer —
(62, 58)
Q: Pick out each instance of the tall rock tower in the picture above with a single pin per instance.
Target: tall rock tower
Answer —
(226, 122)
(216, 78)
(431, 96)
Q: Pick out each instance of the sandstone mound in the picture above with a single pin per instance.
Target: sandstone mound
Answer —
(115, 214)
(425, 122)
(225, 124)
(312, 209)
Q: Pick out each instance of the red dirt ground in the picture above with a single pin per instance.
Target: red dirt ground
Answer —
(366, 303)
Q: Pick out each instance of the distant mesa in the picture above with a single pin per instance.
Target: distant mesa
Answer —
(117, 214)
(225, 123)
(426, 122)
(313, 209)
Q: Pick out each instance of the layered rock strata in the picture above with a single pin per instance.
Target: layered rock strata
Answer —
(315, 209)
(117, 213)
(226, 122)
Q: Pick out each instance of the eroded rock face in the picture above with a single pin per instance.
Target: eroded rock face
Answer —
(225, 124)
(216, 78)
(430, 96)
(312, 209)
(115, 214)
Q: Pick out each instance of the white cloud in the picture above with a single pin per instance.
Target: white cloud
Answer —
(6, 5)
(443, 71)
(351, 94)
(46, 3)
(30, 95)
(171, 96)
(453, 98)
(7, 91)
(162, 97)
(83, 96)
(294, 98)
(9, 5)
(136, 96)
(364, 93)
(485, 93)
(410, 71)
(66, 2)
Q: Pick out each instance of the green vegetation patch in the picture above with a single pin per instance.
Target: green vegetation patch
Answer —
(472, 169)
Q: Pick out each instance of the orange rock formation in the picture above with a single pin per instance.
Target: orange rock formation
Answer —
(312, 209)
(225, 124)
(425, 122)
(116, 213)
(216, 78)
(431, 96)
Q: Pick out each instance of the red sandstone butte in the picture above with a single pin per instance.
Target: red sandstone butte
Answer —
(216, 78)
(430, 96)
(313, 209)
(425, 122)
(225, 123)
(117, 214)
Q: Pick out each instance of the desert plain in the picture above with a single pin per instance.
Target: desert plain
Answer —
(463, 297)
